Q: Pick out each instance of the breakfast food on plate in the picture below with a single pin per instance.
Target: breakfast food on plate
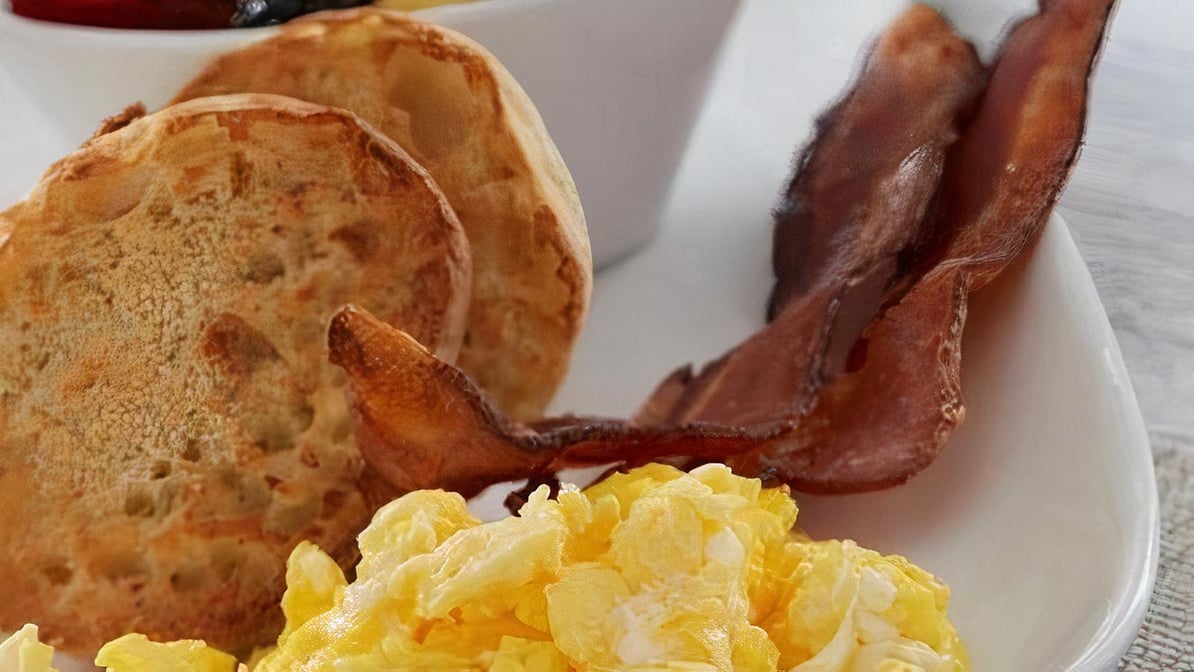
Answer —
(880, 410)
(1000, 183)
(137, 653)
(421, 423)
(848, 227)
(22, 652)
(170, 431)
(169, 426)
(648, 570)
(461, 115)
(413, 5)
(190, 14)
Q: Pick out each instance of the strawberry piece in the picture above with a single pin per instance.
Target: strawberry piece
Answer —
(152, 14)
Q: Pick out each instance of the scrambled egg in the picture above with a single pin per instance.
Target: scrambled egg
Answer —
(21, 652)
(135, 653)
(654, 570)
(412, 5)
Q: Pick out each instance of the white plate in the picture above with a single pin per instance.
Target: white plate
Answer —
(1042, 512)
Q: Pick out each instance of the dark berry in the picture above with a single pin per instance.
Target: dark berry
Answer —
(267, 12)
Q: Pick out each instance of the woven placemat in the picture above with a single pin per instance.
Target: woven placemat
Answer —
(1166, 640)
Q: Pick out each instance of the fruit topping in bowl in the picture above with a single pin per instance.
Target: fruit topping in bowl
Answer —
(189, 14)
(265, 12)
(177, 15)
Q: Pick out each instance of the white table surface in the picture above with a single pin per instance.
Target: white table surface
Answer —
(1130, 206)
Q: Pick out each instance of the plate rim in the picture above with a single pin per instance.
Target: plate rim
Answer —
(1127, 612)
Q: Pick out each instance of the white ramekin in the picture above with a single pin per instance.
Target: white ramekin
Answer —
(618, 82)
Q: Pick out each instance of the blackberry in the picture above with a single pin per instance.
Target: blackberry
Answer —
(269, 12)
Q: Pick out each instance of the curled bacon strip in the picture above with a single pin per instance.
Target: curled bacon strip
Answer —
(889, 223)
(421, 423)
(850, 227)
(1001, 181)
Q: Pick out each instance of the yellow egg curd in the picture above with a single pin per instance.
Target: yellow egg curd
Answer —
(412, 5)
(655, 569)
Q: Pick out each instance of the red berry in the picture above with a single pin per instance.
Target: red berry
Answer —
(161, 14)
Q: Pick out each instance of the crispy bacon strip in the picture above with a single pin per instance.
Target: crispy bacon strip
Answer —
(850, 228)
(861, 190)
(1002, 180)
(421, 423)
(881, 425)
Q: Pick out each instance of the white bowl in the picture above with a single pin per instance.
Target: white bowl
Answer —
(612, 79)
